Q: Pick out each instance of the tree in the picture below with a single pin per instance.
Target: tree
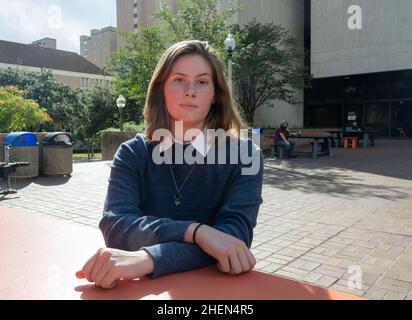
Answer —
(18, 113)
(59, 100)
(200, 20)
(96, 111)
(133, 67)
(266, 67)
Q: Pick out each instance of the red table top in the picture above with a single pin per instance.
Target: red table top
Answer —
(40, 256)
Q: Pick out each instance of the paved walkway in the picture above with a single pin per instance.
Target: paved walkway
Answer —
(322, 221)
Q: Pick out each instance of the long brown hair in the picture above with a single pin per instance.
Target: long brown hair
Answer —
(223, 113)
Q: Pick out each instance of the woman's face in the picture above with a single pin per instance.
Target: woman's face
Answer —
(189, 91)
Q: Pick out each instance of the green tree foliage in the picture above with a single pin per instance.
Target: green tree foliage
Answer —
(18, 113)
(97, 111)
(267, 66)
(200, 20)
(133, 67)
(59, 100)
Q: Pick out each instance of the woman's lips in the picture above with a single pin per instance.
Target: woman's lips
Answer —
(189, 106)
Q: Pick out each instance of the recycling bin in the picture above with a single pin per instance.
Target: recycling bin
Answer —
(24, 147)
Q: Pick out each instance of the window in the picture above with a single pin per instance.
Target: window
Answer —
(323, 116)
(352, 87)
(377, 117)
(402, 85)
(377, 86)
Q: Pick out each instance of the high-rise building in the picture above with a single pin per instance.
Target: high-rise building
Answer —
(99, 46)
(132, 14)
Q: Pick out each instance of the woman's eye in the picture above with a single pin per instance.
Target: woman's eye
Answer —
(203, 82)
(178, 80)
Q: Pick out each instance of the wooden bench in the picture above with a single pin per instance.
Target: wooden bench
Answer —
(352, 142)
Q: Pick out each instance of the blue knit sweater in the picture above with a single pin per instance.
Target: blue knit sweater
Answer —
(140, 213)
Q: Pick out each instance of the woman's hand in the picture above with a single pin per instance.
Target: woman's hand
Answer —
(108, 266)
(232, 254)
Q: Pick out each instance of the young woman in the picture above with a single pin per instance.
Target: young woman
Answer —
(172, 217)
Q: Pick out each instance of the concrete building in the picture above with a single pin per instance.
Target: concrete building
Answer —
(134, 13)
(99, 46)
(46, 43)
(68, 67)
(361, 60)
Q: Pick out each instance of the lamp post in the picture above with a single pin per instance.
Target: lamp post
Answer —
(230, 45)
(121, 103)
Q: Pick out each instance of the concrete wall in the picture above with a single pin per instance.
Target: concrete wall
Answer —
(383, 44)
(289, 14)
(111, 141)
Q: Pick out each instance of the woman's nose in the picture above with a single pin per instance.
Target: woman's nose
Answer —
(190, 90)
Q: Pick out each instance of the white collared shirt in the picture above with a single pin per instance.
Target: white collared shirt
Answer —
(200, 143)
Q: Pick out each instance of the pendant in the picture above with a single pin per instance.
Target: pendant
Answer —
(178, 196)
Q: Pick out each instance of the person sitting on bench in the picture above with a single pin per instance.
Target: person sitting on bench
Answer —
(281, 140)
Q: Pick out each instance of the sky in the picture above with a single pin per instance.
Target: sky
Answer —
(25, 21)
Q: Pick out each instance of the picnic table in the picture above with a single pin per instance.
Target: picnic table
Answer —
(43, 255)
(321, 143)
(366, 136)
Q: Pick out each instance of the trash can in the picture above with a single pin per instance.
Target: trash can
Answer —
(57, 154)
(24, 147)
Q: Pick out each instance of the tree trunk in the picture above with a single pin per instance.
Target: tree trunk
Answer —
(249, 118)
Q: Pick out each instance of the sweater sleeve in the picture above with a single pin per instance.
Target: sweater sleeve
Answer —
(238, 214)
(237, 217)
(175, 257)
(124, 225)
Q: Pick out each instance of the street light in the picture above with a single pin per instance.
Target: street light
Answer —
(121, 102)
(230, 45)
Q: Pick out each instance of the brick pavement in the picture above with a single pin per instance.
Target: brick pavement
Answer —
(321, 220)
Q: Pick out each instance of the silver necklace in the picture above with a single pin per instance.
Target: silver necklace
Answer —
(178, 194)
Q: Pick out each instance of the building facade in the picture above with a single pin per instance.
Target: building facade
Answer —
(361, 61)
(99, 46)
(68, 67)
(134, 13)
(46, 43)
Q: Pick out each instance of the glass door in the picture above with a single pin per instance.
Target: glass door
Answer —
(353, 116)
(401, 119)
